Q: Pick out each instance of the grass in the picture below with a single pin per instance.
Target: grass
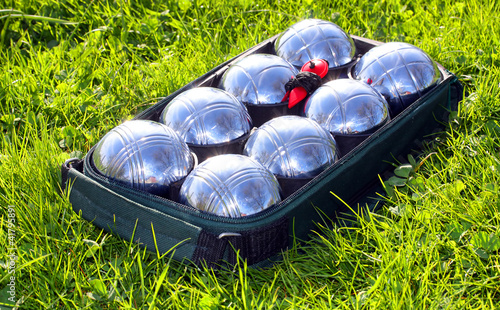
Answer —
(72, 70)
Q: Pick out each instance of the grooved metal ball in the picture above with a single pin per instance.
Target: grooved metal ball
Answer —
(143, 154)
(258, 79)
(292, 147)
(347, 107)
(399, 71)
(315, 39)
(230, 185)
(206, 115)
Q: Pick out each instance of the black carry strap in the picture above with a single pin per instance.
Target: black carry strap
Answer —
(253, 246)
(259, 244)
(74, 163)
(209, 250)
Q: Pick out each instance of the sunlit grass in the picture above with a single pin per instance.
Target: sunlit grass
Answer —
(62, 87)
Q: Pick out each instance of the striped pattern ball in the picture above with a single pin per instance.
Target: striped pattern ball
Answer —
(292, 147)
(230, 185)
(399, 71)
(258, 79)
(347, 107)
(144, 155)
(315, 39)
(207, 116)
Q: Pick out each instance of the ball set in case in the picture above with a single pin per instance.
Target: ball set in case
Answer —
(357, 97)
(401, 72)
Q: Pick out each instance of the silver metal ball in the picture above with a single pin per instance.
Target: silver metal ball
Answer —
(143, 154)
(347, 107)
(315, 39)
(258, 79)
(292, 146)
(399, 71)
(230, 185)
(206, 116)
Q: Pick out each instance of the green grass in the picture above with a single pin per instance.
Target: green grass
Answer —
(72, 70)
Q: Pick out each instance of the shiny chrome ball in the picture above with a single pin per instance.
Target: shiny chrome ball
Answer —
(399, 71)
(230, 185)
(144, 155)
(292, 147)
(315, 39)
(347, 107)
(206, 115)
(258, 79)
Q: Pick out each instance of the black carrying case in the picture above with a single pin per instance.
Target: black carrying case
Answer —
(196, 236)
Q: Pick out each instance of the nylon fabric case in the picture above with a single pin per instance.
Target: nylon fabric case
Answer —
(191, 235)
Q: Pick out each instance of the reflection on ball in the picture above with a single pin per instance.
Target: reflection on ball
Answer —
(206, 115)
(230, 185)
(258, 79)
(347, 107)
(399, 71)
(315, 39)
(292, 146)
(144, 155)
